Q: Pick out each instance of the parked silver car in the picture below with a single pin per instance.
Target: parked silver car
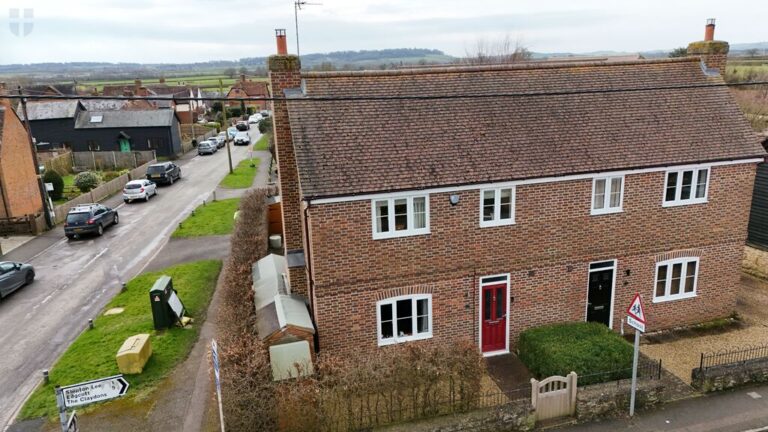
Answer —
(14, 275)
(242, 138)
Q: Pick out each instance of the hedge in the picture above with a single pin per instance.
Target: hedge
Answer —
(591, 350)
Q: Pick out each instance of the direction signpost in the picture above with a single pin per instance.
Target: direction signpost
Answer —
(636, 319)
(217, 378)
(87, 393)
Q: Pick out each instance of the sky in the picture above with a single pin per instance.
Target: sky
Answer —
(171, 31)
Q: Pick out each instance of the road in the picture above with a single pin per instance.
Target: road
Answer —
(75, 279)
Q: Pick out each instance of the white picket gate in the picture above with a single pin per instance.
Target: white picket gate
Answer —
(554, 397)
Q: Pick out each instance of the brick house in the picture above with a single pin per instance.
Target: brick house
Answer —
(522, 195)
(19, 188)
(248, 88)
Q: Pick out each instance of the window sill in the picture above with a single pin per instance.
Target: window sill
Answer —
(677, 297)
(393, 341)
(683, 203)
(599, 212)
(488, 224)
(396, 234)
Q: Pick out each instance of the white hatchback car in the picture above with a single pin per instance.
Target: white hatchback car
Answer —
(139, 189)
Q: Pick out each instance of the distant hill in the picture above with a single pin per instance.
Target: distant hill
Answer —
(92, 70)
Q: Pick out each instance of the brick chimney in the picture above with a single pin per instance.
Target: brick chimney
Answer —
(285, 73)
(136, 86)
(713, 53)
(242, 78)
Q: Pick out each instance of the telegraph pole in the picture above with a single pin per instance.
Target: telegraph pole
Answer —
(226, 126)
(33, 147)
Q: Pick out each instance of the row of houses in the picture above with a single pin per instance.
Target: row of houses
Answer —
(510, 196)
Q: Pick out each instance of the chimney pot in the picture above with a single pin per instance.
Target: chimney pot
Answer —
(282, 44)
(709, 30)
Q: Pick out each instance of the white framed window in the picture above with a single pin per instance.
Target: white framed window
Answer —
(688, 186)
(400, 216)
(497, 207)
(404, 318)
(607, 195)
(676, 279)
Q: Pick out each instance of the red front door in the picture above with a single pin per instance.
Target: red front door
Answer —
(494, 316)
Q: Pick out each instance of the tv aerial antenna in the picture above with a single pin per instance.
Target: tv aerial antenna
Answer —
(297, 6)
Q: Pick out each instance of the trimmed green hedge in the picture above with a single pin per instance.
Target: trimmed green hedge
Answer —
(591, 350)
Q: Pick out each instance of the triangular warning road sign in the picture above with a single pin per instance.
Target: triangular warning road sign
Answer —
(636, 309)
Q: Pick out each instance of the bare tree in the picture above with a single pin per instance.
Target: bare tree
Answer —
(501, 51)
(752, 52)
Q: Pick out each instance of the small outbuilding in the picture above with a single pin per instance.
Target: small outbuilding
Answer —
(282, 319)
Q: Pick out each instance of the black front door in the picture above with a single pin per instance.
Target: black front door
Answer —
(600, 292)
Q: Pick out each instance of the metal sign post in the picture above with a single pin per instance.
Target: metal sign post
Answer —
(636, 319)
(62, 409)
(216, 376)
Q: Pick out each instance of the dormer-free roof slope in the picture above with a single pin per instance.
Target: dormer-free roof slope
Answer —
(620, 115)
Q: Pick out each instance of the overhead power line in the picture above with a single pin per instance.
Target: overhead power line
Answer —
(397, 97)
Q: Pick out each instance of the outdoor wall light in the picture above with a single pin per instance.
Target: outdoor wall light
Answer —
(454, 199)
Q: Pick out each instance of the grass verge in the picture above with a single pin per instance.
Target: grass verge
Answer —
(262, 143)
(242, 176)
(215, 218)
(92, 354)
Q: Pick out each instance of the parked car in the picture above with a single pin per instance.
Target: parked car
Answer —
(242, 138)
(254, 119)
(14, 275)
(206, 147)
(89, 219)
(232, 131)
(164, 172)
(221, 139)
(242, 125)
(214, 141)
(139, 189)
(265, 113)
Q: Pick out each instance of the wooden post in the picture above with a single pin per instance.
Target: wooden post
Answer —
(572, 388)
(534, 392)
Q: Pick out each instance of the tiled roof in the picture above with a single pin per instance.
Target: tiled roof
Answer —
(49, 110)
(355, 147)
(251, 88)
(124, 119)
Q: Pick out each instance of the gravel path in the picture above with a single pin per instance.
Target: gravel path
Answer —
(682, 355)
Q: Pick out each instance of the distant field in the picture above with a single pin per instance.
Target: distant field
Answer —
(741, 70)
(209, 81)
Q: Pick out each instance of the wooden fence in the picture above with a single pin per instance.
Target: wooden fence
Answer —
(28, 224)
(110, 160)
(61, 163)
(101, 192)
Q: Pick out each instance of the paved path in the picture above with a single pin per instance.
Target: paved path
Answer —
(77, 278)
(736, 411)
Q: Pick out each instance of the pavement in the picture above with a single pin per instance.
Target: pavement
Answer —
(11, 242)
(75, 279)
(743, 410)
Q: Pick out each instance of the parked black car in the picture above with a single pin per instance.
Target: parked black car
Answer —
(243, 126)
(89, 219)
(14, 275)
(165, 172)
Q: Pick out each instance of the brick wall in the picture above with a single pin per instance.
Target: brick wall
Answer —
(284, 73)
(19, 181)
(547, 253)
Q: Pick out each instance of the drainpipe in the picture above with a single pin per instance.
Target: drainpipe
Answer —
(308, 262)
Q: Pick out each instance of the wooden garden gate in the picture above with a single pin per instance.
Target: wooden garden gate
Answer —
(554, 397)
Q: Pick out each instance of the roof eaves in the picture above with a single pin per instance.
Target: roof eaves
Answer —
(310, 198)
